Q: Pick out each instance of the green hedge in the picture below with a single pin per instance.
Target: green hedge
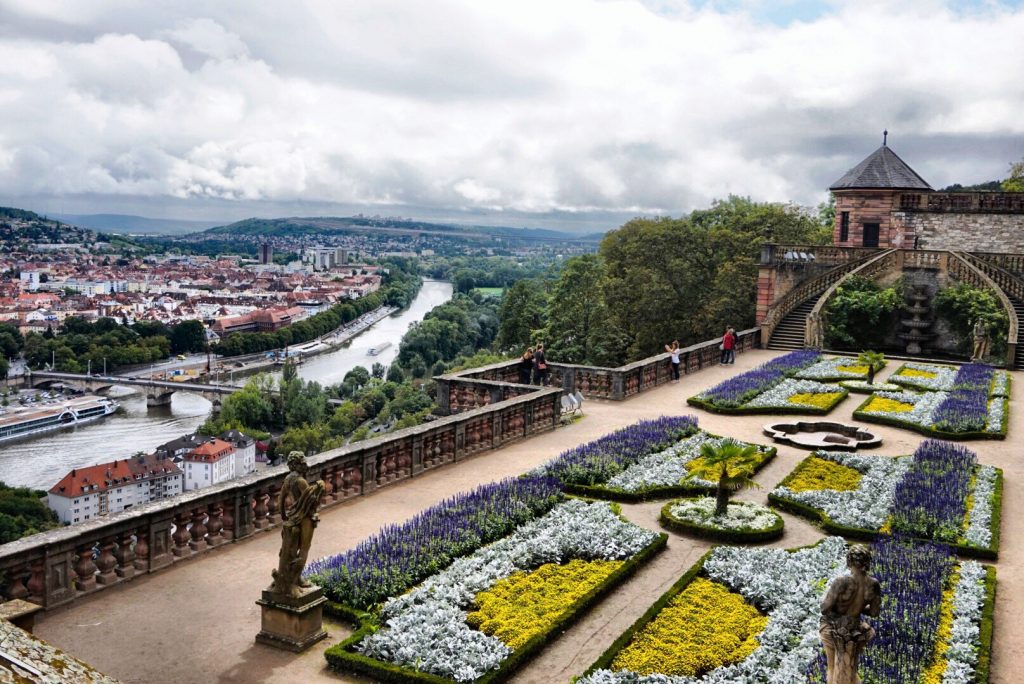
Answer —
(343, 657)
(612, 494)
(987, 625)
(780, 410)
(737, 536)
(860, 414)
(822, 519)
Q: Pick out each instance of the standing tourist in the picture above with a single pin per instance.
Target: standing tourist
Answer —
(728, 346)
(526, 366)
(674, 351)
(540, 365)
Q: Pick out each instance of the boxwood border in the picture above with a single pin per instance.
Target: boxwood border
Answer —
(860, 414)
(981, 672)
(823, 520)
(605, 493)
(738, 536)
(769, 410)
(839, 378)
(342, 657)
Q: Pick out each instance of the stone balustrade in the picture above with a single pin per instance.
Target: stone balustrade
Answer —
(825, 255)
(987, 202)
(475, 387)
(57, 567)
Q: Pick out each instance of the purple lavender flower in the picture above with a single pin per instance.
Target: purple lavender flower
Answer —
(740, 389)
(930, 500)
(966, 407)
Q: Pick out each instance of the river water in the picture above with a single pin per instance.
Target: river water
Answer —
(41, 461)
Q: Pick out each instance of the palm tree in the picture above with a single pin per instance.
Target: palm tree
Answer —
(731, 464)
(874, 361)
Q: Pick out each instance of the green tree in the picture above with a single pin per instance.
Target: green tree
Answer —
(23, 512)
(875, 361)
(963, 304)
(250, 407)
(395, 373)
(730, 464)
(859, 313)
(378, 370)
(5, 368)
(576, 310)
(188, 336)
(1015, 181)
(521, 314)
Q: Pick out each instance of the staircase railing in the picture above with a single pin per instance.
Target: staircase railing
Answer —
(814, 331)
(976, 272)
(804, 291)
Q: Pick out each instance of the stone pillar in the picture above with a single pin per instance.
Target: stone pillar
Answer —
(85, 570)
(181, 535)
(292, 623)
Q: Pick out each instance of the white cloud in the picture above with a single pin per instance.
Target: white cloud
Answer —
(580, 105)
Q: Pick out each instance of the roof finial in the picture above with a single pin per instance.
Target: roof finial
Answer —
(885, 137)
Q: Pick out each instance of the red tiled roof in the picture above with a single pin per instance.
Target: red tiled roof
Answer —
(211, 451)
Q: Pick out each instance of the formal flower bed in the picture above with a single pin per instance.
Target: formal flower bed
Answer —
(744, 521)
(935, 625)
(478, 618)
(737, 394)
(967, 403)
(644, 468)
(837, 369)
(399, 556)
(597, 461)
(940, 493)
(864, 387)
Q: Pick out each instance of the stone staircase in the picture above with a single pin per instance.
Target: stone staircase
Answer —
(790, 332)
(1018, 357)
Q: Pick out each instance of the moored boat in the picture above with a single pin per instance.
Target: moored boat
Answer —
(18, 422)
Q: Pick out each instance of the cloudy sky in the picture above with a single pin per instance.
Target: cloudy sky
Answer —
(570, 113)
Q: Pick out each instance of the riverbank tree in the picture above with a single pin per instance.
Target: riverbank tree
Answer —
(23, 511)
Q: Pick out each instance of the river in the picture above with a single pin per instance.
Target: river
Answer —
(41, 461)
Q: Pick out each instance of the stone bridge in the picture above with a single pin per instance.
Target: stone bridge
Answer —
(158, 392)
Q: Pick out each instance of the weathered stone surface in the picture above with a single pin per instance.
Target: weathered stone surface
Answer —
(292, 622)
(30, 659)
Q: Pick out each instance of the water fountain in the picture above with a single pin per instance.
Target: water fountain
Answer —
(917, 325)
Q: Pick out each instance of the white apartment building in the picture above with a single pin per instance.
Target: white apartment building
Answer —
(245, 451)
(209, 464)
(87, 493)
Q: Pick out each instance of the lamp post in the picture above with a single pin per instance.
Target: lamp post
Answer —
(104, 366)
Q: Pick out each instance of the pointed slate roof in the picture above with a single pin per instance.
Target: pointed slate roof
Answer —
(883, 169)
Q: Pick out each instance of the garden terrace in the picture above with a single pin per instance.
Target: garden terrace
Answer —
(208, 605)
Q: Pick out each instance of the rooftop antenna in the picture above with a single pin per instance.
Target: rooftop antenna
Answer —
(885, 137)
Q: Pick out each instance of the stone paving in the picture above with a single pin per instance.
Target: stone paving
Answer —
(195, 622)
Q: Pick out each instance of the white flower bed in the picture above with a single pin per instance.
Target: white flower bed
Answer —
(996, 415)
(829, 369)
(788, 587)
(924, 404)
(979, 519)
(965, 632)
(666, 468)
(1000, 384)
(778, 396)
(943, 380)
(740, 515)
(426, 627)
(864, 386)
(867, 506)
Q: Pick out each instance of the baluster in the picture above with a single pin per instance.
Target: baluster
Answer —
(181, 535)
(260, 510)
(85, 570)
(227, 520)
(337, 483)
(124, 557)
(141, 552)
(214, 524)
(16, 583)
(198, 531)
(105, 563)
(327, 497)
(36, 587)
(274, 504)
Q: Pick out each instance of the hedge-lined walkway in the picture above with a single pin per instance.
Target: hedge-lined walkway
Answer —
(196, 622)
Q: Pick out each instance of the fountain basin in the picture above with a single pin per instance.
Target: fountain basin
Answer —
(822, 435)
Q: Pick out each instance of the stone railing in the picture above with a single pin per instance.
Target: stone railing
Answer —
(813, 332)
(57, 567)
(986, 202)
(975, 272)
(476, 387)
(790, 255)
(1014, 263)
(804, 291)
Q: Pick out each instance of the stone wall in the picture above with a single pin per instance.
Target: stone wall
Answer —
(865, 206)
(968, 231)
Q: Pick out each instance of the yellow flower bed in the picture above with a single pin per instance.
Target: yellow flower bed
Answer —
(818, 473)
(859, 370)
(523, 605)
(914, 373)
(883, 405)
(704, 627)
(823, 400)
(933, 675)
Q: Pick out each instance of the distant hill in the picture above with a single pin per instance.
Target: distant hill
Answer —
(137, 225)
(20, 228)
(295, 226)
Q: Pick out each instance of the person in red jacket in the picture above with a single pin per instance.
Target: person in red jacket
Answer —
(729, 346)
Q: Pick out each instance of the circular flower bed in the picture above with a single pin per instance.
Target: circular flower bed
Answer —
(743, 521)
(862, 386)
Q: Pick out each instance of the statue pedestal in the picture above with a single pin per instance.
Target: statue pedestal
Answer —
(293, 623)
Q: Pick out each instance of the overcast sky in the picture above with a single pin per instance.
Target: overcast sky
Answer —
(550, 113)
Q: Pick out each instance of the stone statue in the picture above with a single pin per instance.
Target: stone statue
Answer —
(298, 522)
(980, 340)
(844, 634)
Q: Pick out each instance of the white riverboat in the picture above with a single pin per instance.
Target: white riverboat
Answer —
(377, 350)
(22, 421)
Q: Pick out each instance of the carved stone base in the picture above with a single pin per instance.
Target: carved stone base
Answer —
(293, 623)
